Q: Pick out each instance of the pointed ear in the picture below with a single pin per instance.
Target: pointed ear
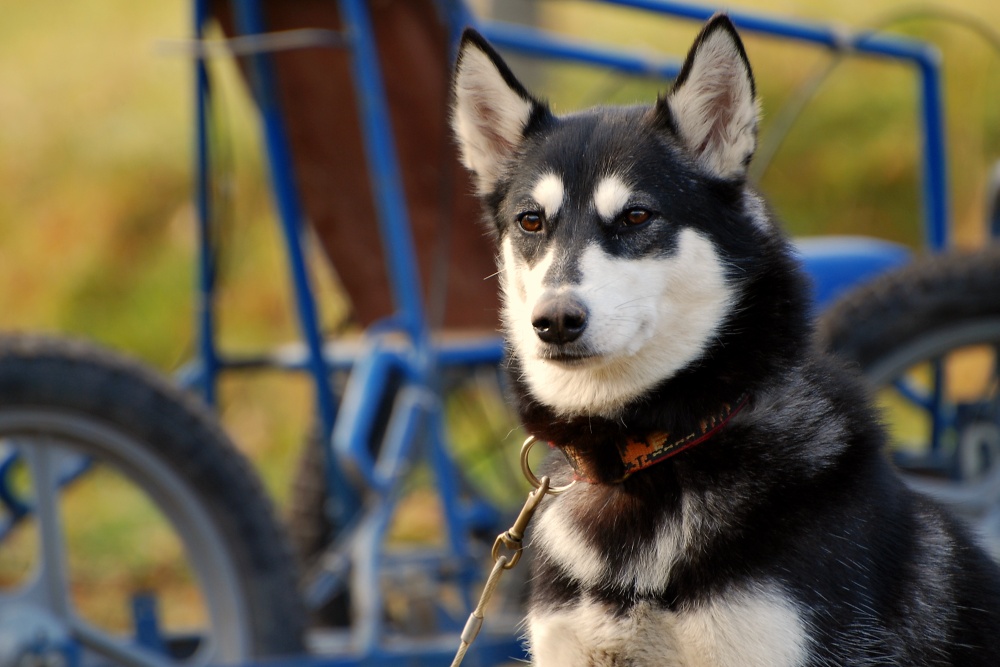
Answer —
(492, 109)
(713, 105)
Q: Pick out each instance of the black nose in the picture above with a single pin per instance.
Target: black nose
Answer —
(559, 319)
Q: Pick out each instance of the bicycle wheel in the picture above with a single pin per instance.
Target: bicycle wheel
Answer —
(927, 337)
(112, 481)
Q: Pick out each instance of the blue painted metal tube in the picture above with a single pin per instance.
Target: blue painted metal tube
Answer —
(457, 16)
(488, 649)
(772, 26)
(937, 206)
(488, 352)
(816, 33)
(937, 406)
(934, 172)
(362, 398)
(918, 397)
(409, 413)
(383, 168)
(207, 352)
(534, 42)
(250, 20)
(449, 490)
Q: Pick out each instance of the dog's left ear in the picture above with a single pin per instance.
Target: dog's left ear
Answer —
(713, 105)
(492, 110)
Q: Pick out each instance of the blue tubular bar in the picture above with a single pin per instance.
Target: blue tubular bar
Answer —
(934, 173)
(835, 38)
(937, 401)
(457, 16)
(489, 352)
(360, 411)
(207, 353)
(534, 42)
(935, 158)
(451, 503)
(383, 169)
(249, 20)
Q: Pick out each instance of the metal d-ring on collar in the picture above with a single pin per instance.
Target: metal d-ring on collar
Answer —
(510, 539)
(530, 476)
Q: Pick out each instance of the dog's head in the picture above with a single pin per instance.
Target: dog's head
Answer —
(622, 231)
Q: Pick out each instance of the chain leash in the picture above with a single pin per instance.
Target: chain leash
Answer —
(511, 539)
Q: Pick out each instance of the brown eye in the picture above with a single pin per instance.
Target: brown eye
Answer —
(530, 221)
(636, 216)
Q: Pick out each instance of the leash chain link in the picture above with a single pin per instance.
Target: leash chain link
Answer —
(510, 539)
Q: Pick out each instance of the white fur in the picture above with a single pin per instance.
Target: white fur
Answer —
(755, 207)
(548, 193)
(745, 628)
(715, 109)
(557, 535)
(522, 287)
(611, 196)
(489, 116)
(648, 318)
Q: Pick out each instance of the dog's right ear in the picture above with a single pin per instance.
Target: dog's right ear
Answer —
(492, 110)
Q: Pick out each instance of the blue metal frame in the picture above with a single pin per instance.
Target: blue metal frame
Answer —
(925, 57)
(207, 353)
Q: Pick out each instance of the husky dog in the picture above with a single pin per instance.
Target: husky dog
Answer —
(733, 506)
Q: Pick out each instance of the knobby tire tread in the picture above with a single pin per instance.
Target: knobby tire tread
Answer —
(930, 294)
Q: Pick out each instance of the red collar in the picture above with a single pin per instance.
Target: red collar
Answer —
(640, 453)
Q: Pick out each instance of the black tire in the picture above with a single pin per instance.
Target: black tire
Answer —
(928, 306)
(172, 448)
(311, 531)
(923, 324)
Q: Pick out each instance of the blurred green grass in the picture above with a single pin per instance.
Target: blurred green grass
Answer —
(96, 223)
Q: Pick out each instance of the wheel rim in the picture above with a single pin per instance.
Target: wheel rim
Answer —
(936, 343)
(950, 375)
(48, 439)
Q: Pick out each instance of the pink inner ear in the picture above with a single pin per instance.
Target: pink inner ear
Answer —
(489, 126)
(718, 106)
(713, 108)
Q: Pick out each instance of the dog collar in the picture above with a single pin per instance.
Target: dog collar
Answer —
(640, 453)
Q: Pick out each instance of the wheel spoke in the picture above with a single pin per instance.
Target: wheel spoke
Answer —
(89, 427)
(42, 461)
(130, 655)
(937, 405)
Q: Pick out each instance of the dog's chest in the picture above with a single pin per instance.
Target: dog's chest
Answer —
(752, 624)
(759, 629)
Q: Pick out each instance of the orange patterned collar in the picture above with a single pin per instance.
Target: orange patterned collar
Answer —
(640, 453)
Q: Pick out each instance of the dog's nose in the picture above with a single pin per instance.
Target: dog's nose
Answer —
(559, 319)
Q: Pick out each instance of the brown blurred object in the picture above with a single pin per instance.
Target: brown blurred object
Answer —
(320, 108)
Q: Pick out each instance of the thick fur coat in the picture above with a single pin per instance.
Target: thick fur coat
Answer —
(645, 285)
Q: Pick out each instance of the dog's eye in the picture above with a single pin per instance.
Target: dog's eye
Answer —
(635, 216)
(530, 221)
